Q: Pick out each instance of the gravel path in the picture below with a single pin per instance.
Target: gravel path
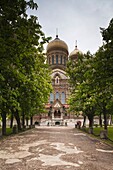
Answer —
(54, 148)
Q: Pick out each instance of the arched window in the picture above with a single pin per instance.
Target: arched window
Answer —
(56, 59)
(52, 59)
(51, 97)
(61, 59)
(57, 95)
(63, 98)
(64, 60)
(56, 80)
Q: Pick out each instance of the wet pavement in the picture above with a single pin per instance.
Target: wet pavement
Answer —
(54, 148)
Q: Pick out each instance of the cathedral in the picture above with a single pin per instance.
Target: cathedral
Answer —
(57, 57)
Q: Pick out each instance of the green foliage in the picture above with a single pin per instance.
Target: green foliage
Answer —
(91, 79)
(24, 76)
(82, 91)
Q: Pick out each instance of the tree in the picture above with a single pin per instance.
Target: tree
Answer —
(22, 68)
(102, 82)
(91, 78)
(82, 99)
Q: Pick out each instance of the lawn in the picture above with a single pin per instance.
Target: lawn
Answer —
(97, 130)
(8, 130)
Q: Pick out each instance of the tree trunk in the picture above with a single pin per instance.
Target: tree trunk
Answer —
(23, 119)
(84, 122)
(31, 120)
(90, 117)
(111, 119)
(91, 123)
(27, 119)
(100, 120)
(105, 117)
(11, 122)
(3, 123)
(17, 117)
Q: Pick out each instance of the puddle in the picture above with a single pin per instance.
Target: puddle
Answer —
(65, 149)
(34, 144)
(106, 151)
(51, 160)
(23, 152)
(80, 134)
(11, 161)
(20, 154)
(54, 160)
(70, 144)
(80, 162)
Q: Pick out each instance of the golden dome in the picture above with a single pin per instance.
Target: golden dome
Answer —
(57, 44)
(75, 53)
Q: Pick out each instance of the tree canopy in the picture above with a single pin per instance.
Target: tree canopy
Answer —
(91, 78)
(24, 75)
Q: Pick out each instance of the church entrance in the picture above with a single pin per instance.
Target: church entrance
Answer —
(57, 123)
(57, 114)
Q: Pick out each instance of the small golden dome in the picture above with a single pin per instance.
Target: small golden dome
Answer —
(57, 44)
(75, 53)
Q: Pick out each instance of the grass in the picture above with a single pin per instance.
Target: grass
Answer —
(97, 130)
(8, 130)
(110, 133)
(96, 133)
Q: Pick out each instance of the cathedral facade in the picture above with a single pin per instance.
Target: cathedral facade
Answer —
(57, 58)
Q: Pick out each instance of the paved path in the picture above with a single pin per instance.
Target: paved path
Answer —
(54, 148)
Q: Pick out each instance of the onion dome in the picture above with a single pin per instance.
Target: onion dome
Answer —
(57, 44)
(74, 54)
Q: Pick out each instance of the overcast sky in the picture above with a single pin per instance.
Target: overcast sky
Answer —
(76, 20)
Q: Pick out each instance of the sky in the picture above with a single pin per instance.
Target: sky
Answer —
(76, 20)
